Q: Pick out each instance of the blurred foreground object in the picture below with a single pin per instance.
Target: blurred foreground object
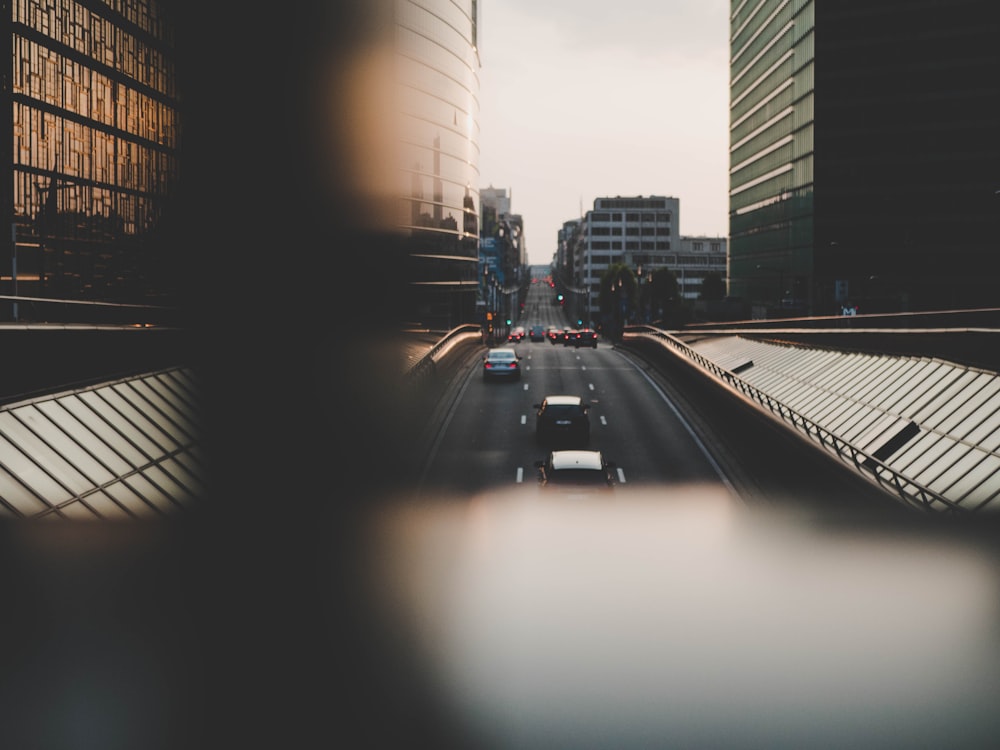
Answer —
(679, 620)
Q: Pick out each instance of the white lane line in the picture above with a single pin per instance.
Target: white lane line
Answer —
(590, 386)
(687, 426)
(604, 420)
(524, 419)
(525, 386)
(520, 474)
(621, 475)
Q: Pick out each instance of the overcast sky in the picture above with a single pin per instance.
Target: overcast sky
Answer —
(582, 99)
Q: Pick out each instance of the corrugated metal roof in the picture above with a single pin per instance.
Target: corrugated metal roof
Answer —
(124, 449)
(932, 422)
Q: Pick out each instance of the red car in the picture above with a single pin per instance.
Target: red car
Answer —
(516, 334)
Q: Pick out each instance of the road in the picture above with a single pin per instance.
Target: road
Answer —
(665, 430)
(741, 588)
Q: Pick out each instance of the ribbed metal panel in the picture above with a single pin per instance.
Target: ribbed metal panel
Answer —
(126, 449)
(935, 423)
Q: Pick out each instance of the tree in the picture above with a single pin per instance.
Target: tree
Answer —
(617, 295)
(713, 288)
(664, 294)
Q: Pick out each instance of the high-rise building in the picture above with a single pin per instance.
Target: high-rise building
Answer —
(92, 127)
(439, 124)
(865, 160)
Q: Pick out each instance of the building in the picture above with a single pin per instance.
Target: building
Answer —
(638, 232)
(93, 127)
(439, 122)
(864, 154)
(494, 203)
(642, 233)
(698, 257)
(504, 274)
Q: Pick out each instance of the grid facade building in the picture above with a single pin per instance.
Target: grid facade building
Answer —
(863, 153)
(638, 232)
(93, 132)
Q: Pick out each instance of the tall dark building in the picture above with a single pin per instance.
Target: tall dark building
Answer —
(92, 128)
(865, 159)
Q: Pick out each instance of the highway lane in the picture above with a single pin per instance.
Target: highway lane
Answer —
(488, 441)
(666, 427)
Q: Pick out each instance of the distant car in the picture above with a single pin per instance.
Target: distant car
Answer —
(586, 337)
(576, 470)
(537, 333)
(562, 421)
(501, 364)
(569, 337)
(516, 334)
(555, 335)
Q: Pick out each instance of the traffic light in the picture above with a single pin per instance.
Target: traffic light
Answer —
(508, 321)
(560, 298)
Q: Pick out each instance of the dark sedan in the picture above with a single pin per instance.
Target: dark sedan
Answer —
(586, 337)
(562, 421)
(501, 364)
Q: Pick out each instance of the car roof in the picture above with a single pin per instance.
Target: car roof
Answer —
(556, 400)
(502, 351)
(576, 459)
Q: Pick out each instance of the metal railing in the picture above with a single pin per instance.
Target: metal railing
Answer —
(908, 491)
(427, 363)
(53, 311)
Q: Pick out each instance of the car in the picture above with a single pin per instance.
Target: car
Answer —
(576, 470)
(555, 335)
(586, 337)
(569, 337)
(501, 363)
(536, 333)
(516, 334)
(563, 421)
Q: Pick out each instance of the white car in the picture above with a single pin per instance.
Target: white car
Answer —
(576, 470)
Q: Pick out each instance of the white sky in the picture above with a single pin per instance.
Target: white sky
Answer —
(582, 99)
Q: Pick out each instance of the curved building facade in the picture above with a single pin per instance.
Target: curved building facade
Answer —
(438, 100)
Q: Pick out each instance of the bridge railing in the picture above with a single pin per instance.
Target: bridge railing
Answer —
(908, 491)
(426, 364)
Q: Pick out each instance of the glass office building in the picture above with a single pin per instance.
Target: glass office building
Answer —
(92, 133)
(771, 151)
(864, 154)
(439, 109)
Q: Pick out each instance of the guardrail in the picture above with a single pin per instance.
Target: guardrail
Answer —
(909, 492)
(55, 311)
(427, 363)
